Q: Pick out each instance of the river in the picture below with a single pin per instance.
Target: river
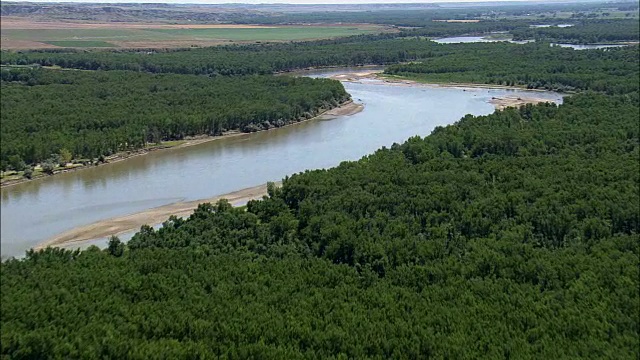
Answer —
(34, 211)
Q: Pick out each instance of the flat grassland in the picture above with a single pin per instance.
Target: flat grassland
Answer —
(20, 33)
(81, 43)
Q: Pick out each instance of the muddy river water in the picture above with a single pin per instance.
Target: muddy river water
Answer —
(35, 211)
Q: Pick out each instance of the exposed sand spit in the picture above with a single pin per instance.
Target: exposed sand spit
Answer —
(133, 222)
(511, 101)
(499, 102)
(457, 21)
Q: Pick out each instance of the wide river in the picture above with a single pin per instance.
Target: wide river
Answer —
(35, 211)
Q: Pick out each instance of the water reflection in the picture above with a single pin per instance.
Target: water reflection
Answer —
(589, 47)
(481, 39)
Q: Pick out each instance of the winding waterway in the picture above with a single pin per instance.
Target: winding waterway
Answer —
(35, 211)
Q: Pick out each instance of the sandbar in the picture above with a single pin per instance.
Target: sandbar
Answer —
(128, 223)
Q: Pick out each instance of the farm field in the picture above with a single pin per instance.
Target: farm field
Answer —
(23, 34)
(80, 43)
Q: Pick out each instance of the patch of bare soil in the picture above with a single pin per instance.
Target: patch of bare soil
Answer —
(356, 75)
(7, 43)
(347, 109)
(515, 101)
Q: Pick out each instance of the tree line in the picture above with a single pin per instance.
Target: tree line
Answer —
(584, 32)
(235, 60)
(93, 114)
(613, 71)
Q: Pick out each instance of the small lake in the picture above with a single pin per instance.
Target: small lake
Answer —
(549, 25)
(35, 211)
(589, 47)
(465, 39)
(484, 39)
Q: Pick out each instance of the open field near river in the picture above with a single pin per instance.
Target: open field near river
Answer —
(18, 33)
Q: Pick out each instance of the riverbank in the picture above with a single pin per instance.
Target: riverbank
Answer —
(504, 102)
(345, 109)
(399, 80)
(130, 223)
(500, 103)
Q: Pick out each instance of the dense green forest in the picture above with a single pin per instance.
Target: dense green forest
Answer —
(584, 32)
(513, 235)
(534, 65)
(239, 59)
(445, 29)
(91, 114)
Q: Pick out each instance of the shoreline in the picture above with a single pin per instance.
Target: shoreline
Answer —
(399, 80)
(347, 108)
(500, 103)
(132, 222)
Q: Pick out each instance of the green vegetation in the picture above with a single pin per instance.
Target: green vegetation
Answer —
(585, 32)
(554, 68)
(512, 235)
(424, 17)
(239, 60)
(103, 37)
(84, 37)
(91, 114)
(269, 58)
(509, 235)
(287, 33)
(80, 43)
(72, 34)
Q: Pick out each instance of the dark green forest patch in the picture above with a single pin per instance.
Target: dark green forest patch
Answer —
(535, 66)
(93, 114)
(508, 235)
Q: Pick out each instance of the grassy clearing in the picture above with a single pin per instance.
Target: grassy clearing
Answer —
(505, 36)
(80, 43)
(81, 34)
(265, 34)
(172, 37)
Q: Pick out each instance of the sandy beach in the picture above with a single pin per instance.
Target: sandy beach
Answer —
(133, 222)
(504, 102)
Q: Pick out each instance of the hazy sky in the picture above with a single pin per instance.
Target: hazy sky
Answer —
(274, 1)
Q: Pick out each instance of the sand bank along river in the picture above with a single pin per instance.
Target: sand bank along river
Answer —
(38, 211)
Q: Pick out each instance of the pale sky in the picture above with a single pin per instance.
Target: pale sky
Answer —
(308, 2)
